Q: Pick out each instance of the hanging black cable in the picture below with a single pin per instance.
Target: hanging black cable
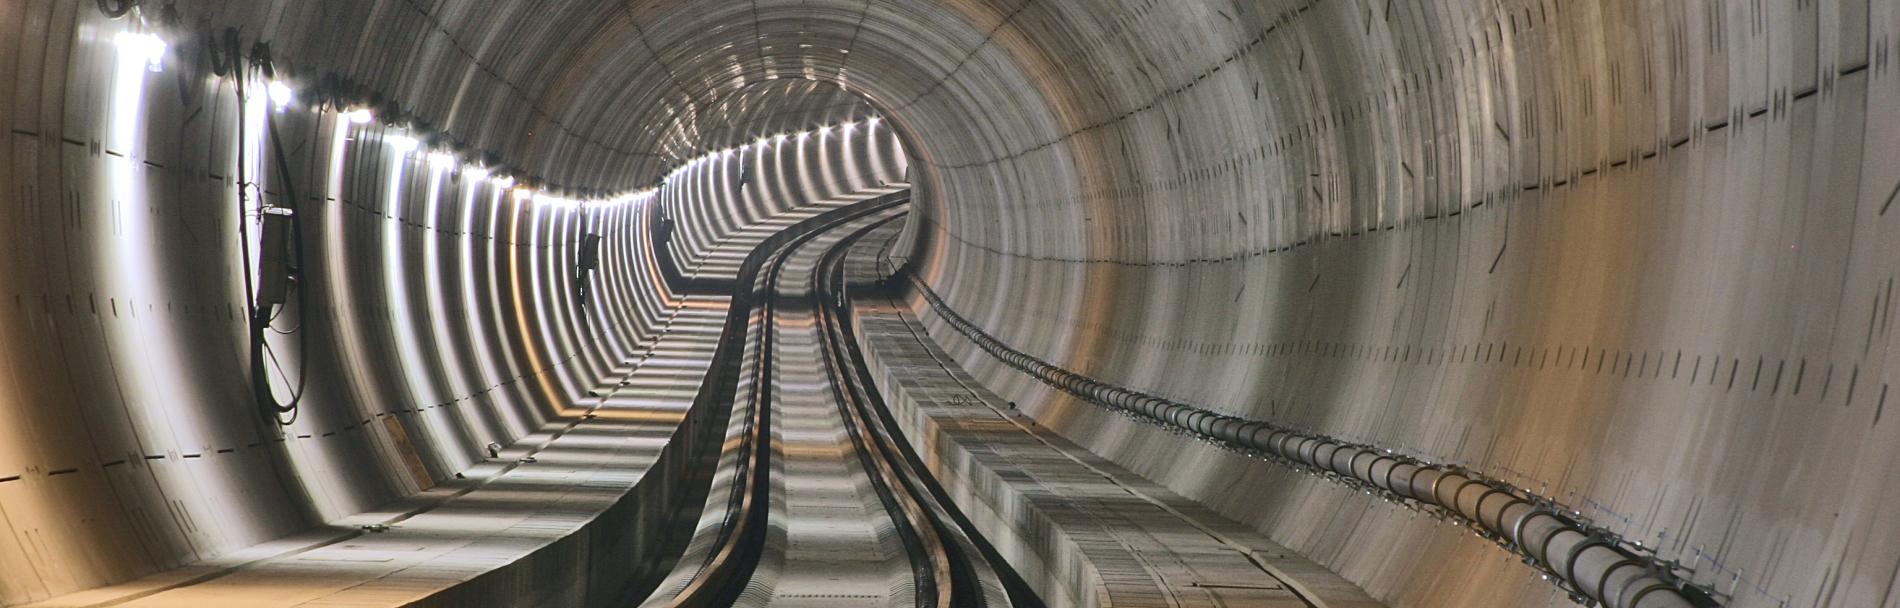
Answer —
(260, 316)
(296, 283)
(115, 9)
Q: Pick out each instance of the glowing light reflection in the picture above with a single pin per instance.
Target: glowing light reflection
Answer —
(146, 49)
(478, 339)
(280, 95)
(441, 164)
(409, 354)
(402, 144)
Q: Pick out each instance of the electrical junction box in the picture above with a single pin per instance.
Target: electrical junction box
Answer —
(273, 264)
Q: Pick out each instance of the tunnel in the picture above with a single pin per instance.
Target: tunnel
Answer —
(949, 303)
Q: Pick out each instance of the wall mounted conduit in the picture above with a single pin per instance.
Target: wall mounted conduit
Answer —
(1594, 565)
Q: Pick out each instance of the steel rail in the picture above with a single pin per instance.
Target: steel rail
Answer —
(941, 573)
(734, 558)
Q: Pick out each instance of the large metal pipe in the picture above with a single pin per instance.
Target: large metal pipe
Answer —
(1595, 565)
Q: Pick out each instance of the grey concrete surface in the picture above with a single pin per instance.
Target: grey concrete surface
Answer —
(1082, 530)
(840, 549)
(1635, 255)
(483, 536)
(439, 317)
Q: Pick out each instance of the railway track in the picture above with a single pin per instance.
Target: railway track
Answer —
(820, 502)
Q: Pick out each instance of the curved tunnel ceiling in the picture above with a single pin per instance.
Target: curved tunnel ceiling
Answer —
(533, 78)
(1634, 256)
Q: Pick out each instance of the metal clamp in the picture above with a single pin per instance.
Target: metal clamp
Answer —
(1570, 567)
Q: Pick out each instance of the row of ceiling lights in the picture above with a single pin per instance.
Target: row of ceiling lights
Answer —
(150, 49)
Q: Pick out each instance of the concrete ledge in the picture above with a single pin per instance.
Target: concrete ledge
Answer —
(1082, 530)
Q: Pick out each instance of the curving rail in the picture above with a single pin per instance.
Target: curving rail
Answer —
(945, 571)
(730, 563)
(974, 572)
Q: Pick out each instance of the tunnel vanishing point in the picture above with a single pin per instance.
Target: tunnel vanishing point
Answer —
(949, 303)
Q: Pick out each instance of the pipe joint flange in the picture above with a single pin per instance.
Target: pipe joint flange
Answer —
(1384, 481)
(1670, 573)
(1645, 590)
(1537, 508)
(1603, 584)
(1543, 546)
(1593, 539)
(1511, 498)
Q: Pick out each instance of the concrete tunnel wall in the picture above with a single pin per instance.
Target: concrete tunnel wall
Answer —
(717, 193)
(441, 314)
(1633, 256)
(1424, 226)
